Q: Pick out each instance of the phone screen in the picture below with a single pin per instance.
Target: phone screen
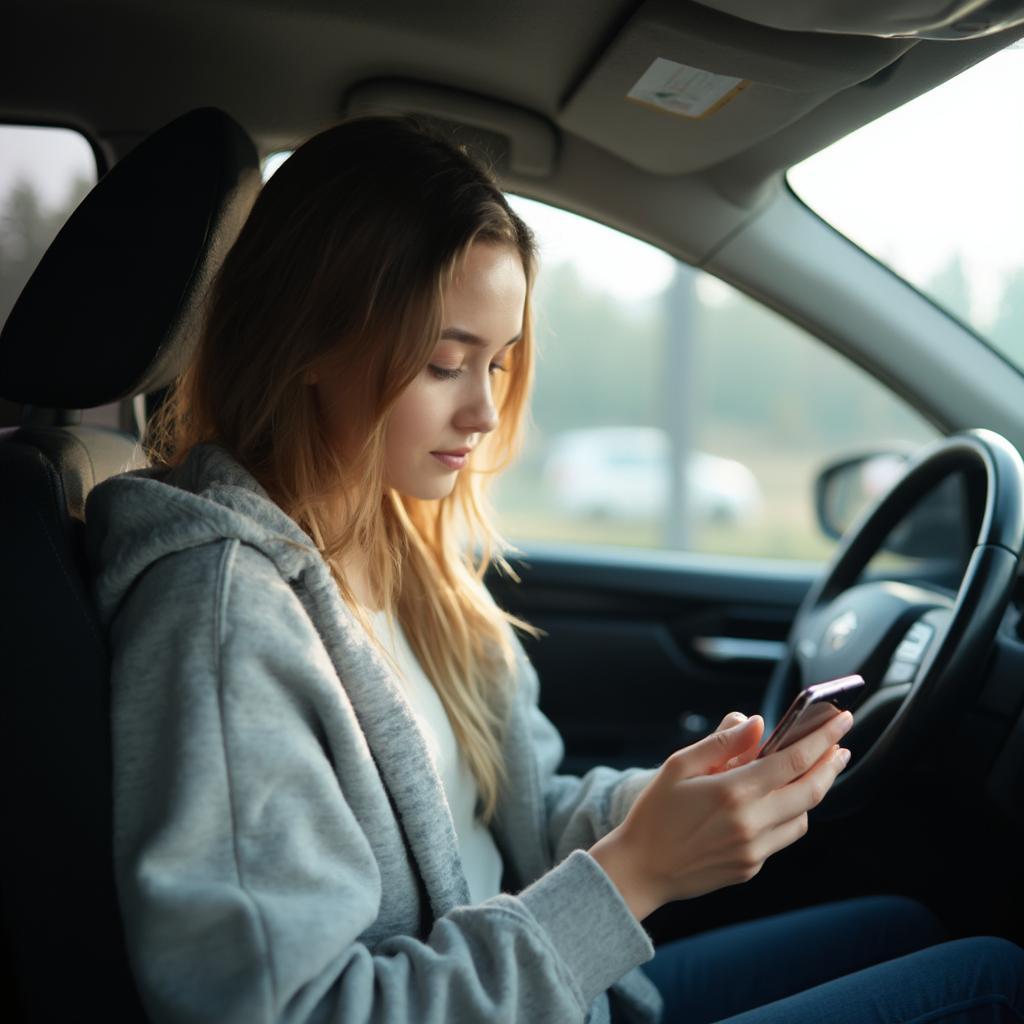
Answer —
(810, 709)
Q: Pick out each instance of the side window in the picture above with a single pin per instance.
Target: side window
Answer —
(44, 174)
(643, 363)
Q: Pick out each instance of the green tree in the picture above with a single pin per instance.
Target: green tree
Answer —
(26, 223)
(27, 228)
(1008, 329)
(597, 360)
(950, 288)
(763, 382)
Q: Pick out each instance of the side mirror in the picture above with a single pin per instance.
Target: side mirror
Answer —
(844, 489)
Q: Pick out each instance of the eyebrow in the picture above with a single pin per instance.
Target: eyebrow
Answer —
(468, 338)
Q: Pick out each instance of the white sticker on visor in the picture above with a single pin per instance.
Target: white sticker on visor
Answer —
(683, 90)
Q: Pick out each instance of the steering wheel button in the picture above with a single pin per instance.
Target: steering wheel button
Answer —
(914, 642)
(909, 652)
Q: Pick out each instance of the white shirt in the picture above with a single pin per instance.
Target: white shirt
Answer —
(481, 859)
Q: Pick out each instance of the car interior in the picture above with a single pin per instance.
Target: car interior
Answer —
(674, 123)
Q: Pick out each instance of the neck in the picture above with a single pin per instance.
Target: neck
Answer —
(355, 570)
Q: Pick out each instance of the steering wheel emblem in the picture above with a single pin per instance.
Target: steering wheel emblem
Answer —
(839, 631)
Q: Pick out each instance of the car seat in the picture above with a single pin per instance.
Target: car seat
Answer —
(110, 313)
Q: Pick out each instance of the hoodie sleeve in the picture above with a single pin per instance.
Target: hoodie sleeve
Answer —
(244, 876)
(580, 810)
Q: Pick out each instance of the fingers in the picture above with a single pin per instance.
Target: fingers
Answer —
(731, 719)
(806, 793)
(800, 796)
(784, 817)
(784, 835)
(709, 754)
(781, 768)
(747, 755)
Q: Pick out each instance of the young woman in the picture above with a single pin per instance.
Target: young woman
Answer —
(335, 795)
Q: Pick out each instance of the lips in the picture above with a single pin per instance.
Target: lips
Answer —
(454, 459)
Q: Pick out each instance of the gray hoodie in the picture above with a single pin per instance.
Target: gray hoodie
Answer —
(283, 847)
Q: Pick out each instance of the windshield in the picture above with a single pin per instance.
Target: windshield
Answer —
(933, 190)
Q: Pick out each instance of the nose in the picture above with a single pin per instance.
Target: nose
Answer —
(478, 414)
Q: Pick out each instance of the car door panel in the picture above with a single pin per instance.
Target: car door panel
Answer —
(642, 657)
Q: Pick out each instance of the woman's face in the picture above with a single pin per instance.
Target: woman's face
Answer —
(445, 412)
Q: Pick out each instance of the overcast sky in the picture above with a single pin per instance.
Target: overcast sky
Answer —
(48, 157)
(938, 176)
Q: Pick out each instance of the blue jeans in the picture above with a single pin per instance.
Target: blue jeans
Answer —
(873, 960)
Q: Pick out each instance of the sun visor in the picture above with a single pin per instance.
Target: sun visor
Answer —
(683, 87)
(915, 19)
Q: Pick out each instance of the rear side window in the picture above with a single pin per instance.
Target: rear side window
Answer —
(44, 174)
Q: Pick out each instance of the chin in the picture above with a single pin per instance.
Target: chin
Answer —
(435, 490)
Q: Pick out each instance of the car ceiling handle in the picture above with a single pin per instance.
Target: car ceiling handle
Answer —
(532, 139)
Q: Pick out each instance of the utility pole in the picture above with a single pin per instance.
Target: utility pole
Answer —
(678, 394)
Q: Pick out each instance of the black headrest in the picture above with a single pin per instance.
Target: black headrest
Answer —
(113, 307)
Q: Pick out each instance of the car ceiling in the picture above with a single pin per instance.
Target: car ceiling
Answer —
(287, 68)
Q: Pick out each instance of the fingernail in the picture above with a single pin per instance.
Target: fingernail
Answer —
(737, 718)
(846, 720)
(843, 757)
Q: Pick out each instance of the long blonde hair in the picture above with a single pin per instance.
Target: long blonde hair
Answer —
(345, 257)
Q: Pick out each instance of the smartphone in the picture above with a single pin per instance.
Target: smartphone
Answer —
(810, 708)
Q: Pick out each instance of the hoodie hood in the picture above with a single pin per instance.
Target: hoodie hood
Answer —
(135, 518)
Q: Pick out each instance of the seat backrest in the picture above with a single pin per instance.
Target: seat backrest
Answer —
(111, 312)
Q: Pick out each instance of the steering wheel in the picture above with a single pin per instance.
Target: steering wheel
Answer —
(920, 649)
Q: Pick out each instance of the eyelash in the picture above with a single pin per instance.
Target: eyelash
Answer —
(441, 373)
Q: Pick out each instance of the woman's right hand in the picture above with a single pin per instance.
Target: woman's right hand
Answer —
(695, 828)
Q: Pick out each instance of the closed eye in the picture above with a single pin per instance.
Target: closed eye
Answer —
(443, 373)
